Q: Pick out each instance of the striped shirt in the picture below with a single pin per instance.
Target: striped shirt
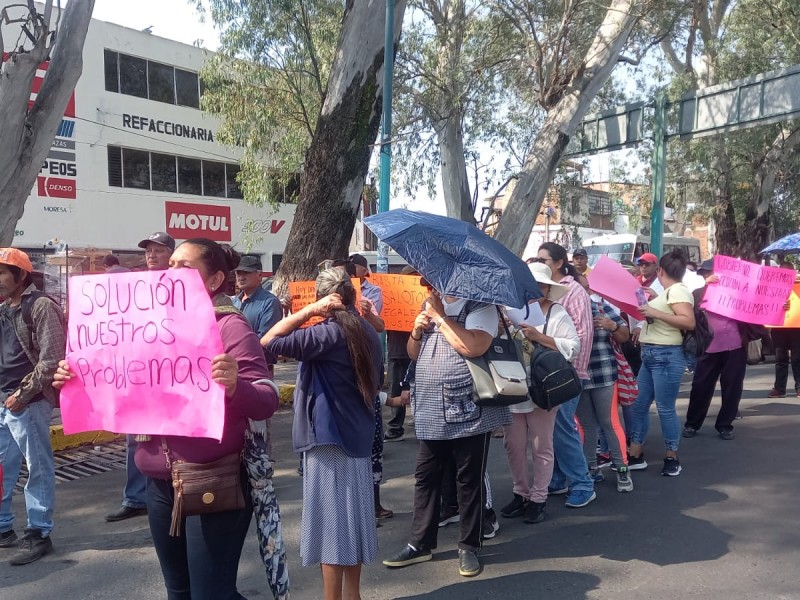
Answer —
(578, 306)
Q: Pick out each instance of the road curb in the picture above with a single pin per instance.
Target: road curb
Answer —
(62, 441)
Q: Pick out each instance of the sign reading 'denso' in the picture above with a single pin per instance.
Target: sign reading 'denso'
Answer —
(185, 220)
(140, 345)
(748, 292)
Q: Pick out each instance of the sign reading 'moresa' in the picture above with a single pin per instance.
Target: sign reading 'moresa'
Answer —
(141, 346)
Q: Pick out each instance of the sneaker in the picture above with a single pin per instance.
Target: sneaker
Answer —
(773, 393)
(32, 547)
(490, 525)
(383, 513)
(557, 491)
(8, 539)
(636, 463)
(393, 436)
(726, 434)
(448, 515)
(624, 481)
(534, 513)
(672, 467)
(580, 498)
(468, 563)
(408, 556)
(515, 508)
(689, 432)
(603, 459)
(596, 475)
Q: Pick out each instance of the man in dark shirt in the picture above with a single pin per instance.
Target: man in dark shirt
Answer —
(261, 308)
(32, 342)
(399, 362)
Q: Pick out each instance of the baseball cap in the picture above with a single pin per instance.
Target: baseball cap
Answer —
(359, 260)
(647, 257)
(250, 264)
(159, 237)
(580, 252)
(16, 258)
(706, 266)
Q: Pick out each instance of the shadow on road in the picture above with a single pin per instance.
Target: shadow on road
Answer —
(564, 585)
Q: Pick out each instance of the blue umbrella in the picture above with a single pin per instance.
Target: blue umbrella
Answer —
(786, 245)
(456, 257)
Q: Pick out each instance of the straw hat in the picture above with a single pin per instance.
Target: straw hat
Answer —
(542, 274)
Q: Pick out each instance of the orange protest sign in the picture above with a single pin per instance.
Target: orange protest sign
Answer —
(304, 293)
(793, 314)
(402, 299)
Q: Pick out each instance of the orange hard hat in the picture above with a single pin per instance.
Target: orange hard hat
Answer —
(16, 258)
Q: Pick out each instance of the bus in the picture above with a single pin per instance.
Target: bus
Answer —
(629, 247)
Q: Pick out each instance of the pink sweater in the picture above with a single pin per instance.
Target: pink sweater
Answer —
(579, 307)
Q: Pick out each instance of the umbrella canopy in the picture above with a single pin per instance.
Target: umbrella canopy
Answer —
(786, 245)
(456, 257)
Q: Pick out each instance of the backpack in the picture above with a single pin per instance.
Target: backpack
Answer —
(26, 306)
(553, 379)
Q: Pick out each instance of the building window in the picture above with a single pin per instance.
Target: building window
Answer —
(599, 205)
(187, 88)
(213, 179)
(231, 171)
(133, 76)
(148, 79)
(190, 179)
(110, 60)
(161, 82)
(169, 173)
(165, 175)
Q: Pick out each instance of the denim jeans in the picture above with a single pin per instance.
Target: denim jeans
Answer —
(203, 562)
(27, 434)
(660, 380)
(570, 464)
(135, 493)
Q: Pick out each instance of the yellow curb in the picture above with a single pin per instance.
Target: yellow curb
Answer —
(61, 441)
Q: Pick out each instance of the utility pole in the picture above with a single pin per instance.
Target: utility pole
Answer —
(659, 176)
(386, 129)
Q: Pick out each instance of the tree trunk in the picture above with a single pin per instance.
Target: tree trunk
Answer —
(338, 159)
(561, 122)
(27, 135)
(726, 234)
(755, 232)
(455, 182)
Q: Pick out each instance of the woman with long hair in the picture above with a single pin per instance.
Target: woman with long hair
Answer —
(663, 362)
(334, 425)
(201, 563)
(571, 473)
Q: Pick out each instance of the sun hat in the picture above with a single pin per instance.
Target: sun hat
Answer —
(542, 274)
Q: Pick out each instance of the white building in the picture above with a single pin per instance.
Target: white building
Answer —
(135, 154)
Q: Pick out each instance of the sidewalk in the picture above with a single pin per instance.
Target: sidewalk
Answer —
(285, 377)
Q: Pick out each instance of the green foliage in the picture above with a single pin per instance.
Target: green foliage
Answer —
(267, 85)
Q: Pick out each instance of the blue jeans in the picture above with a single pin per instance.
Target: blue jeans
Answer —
(660, 380)
(203, 562)
(570, 466)
(27, 434)
(135, 493)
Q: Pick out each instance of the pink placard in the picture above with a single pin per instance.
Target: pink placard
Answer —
(612, 281)
(141, 345)
(748, 292)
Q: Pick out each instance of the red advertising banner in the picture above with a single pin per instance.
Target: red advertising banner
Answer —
(186, 220)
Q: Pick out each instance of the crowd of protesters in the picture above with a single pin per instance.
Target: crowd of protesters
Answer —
(338, 426)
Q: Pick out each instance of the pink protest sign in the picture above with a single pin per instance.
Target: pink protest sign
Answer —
(612, 281)
(140, 345)
(748, 292)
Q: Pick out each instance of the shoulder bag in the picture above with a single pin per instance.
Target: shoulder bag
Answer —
(204, 488)
(498, 375)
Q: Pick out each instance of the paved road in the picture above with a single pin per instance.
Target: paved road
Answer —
(725, 529)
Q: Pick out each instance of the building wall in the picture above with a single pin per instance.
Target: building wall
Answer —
(73, 201)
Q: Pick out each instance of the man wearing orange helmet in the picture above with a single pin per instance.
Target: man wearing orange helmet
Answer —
(32, 342)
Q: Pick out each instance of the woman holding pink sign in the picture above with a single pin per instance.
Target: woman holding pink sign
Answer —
(199, 553)
(663, 363)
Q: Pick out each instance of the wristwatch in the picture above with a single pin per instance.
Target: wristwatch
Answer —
(439, 321)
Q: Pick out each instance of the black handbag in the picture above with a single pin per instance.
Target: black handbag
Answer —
(498, 376)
